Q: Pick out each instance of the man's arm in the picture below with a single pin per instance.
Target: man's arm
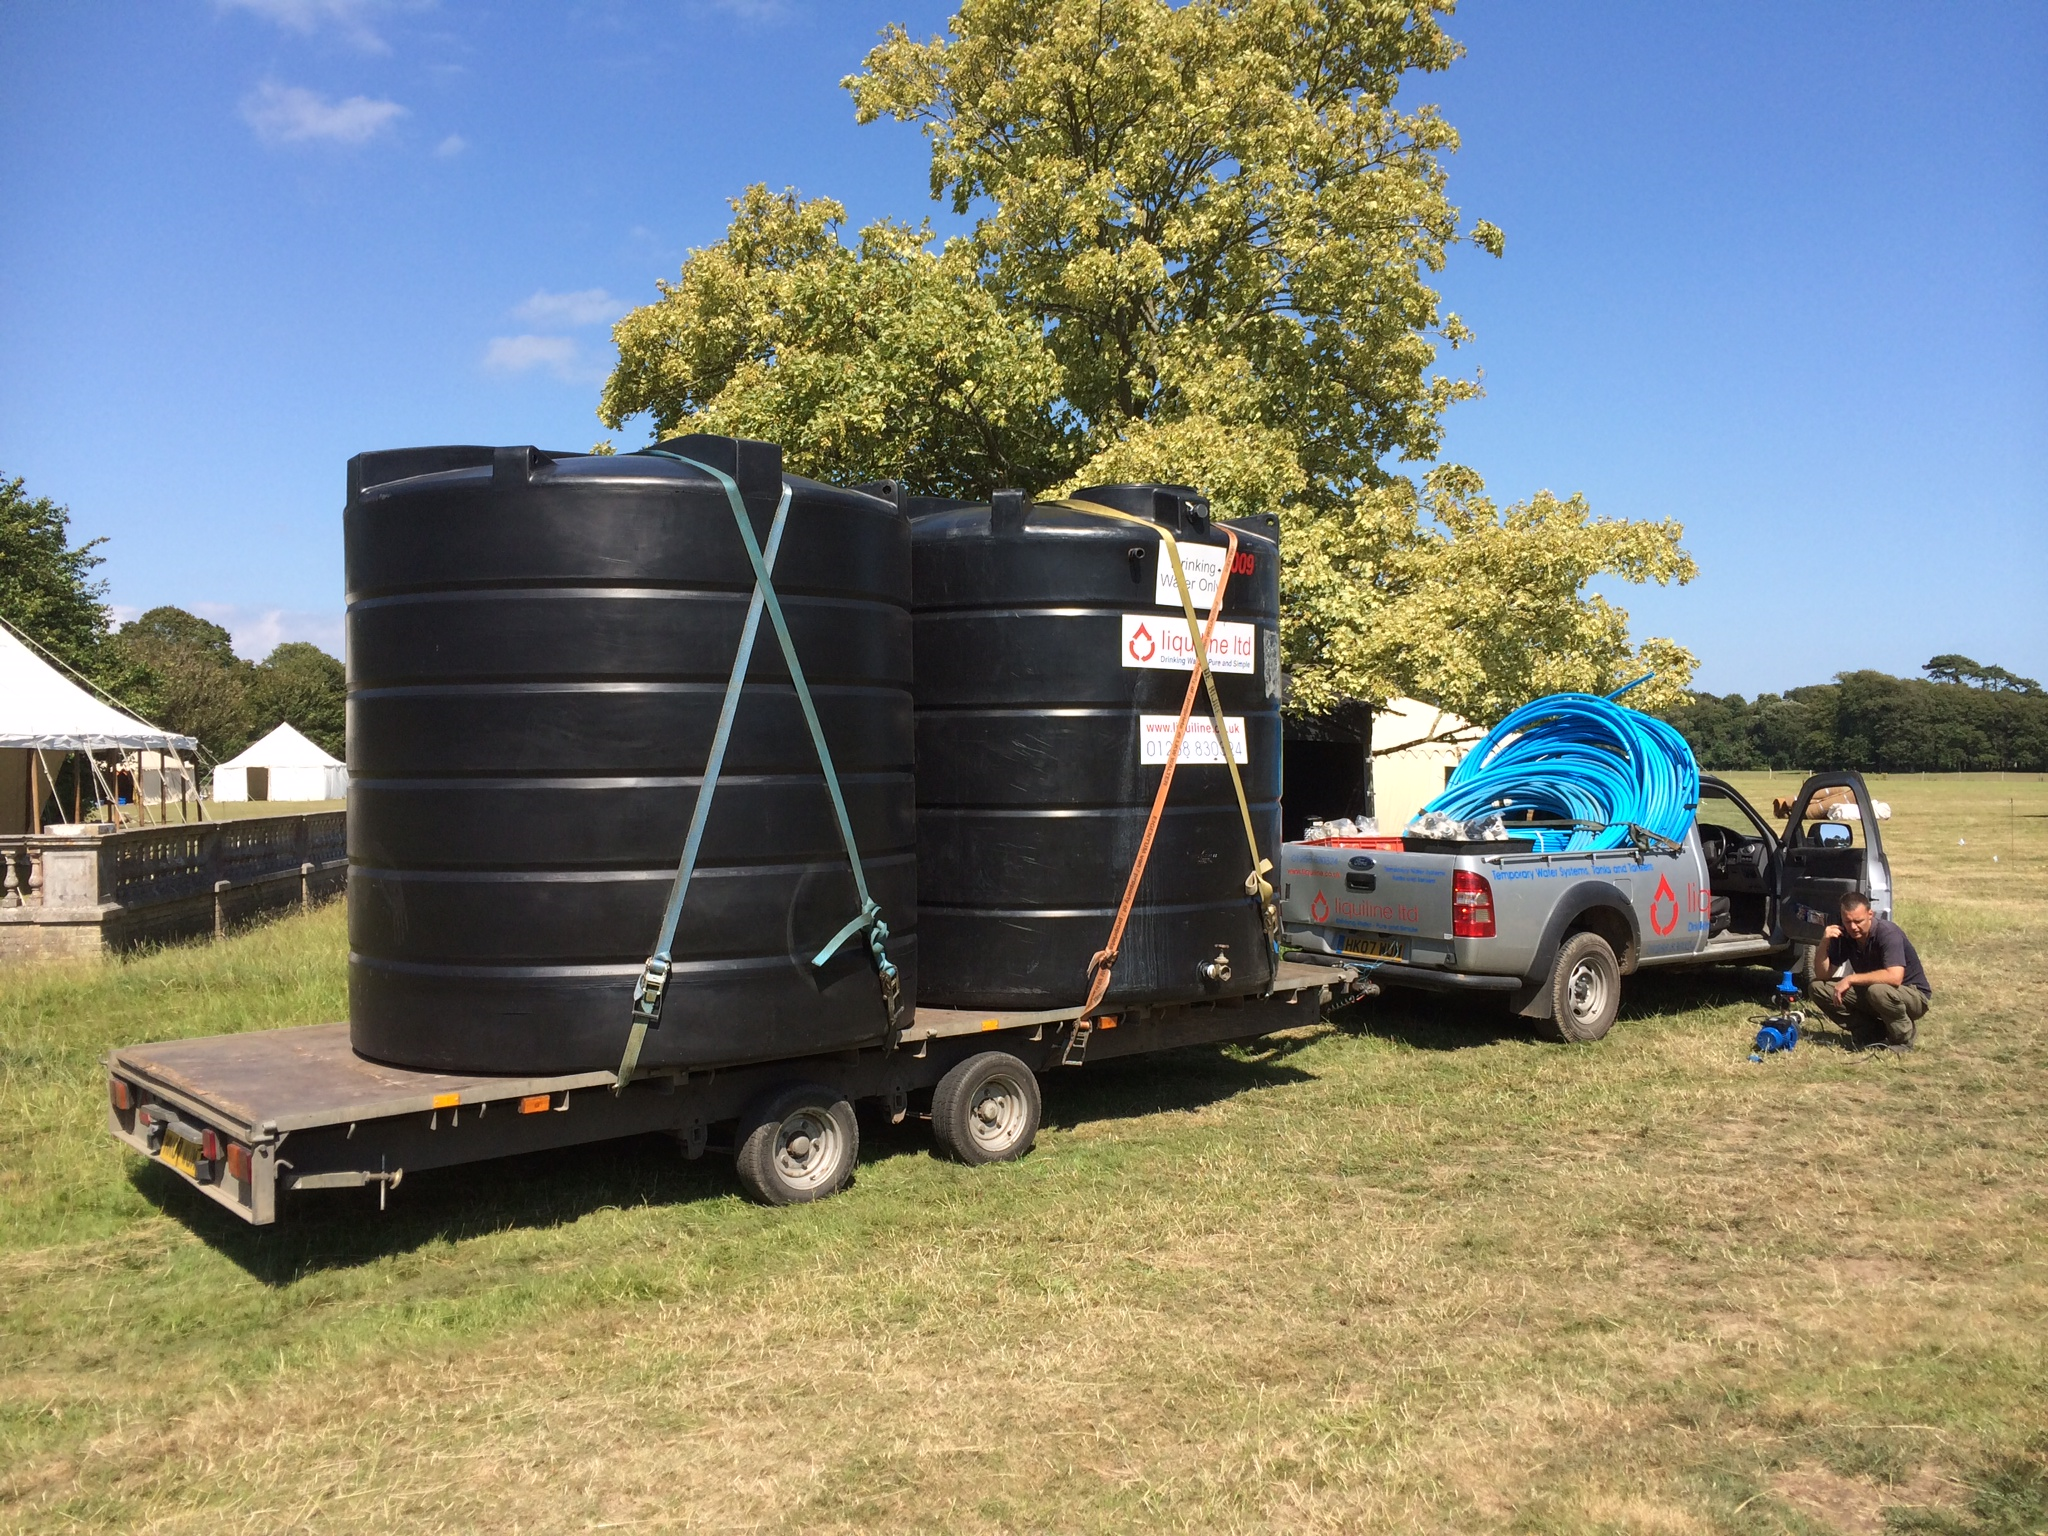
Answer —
(1890, 948)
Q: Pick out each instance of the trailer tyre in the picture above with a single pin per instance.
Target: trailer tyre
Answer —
(797, 1144)
(987, 1109)
(1585, 989)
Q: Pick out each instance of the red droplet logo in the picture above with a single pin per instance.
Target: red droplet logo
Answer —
(1142, 648)
(1319, 909)
(1665, 901)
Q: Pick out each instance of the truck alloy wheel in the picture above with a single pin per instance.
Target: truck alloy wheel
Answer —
(987, 1109)
(799, 1143)
(1585, 988)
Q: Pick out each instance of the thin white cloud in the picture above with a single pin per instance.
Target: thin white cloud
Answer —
(451, 146)
(522, 354)
(348, 17)
(256, 632)
(291, 114)
(747, 10)
(586, 306)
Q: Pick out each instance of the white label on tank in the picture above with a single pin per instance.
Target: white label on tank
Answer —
(1204, 566)
(1162, 643)
(1155, 740)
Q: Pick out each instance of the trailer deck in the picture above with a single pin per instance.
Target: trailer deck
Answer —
(246, 1117)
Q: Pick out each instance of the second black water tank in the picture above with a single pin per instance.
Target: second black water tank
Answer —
(537, 651)
(1051, 660)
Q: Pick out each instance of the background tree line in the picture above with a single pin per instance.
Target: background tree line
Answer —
(172, 668)
(1962, 716)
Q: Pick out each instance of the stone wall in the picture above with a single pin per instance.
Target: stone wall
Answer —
(88, 893)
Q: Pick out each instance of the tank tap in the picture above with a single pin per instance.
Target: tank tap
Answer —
(1218, 969)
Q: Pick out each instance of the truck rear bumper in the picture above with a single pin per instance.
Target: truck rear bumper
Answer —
(1423, 978)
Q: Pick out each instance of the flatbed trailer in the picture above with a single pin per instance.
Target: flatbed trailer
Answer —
(250, 1119)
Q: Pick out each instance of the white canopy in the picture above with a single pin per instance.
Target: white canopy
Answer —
(41, 708)
(282, 766)
(284, 747)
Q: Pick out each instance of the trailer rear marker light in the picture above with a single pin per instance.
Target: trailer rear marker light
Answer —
(1107, 1021)
(446, 1100)
(536, 1105)
(989, 1024)
(122, 1095)
(239, 1162)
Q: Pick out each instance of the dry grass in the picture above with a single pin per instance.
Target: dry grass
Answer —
(1412, 1270)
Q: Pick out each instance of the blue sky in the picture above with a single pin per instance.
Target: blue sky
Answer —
(1776, 272)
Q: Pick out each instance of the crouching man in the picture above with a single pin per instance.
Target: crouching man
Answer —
(1884, 991)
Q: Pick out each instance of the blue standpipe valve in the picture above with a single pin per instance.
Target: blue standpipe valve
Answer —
(1780, 1032)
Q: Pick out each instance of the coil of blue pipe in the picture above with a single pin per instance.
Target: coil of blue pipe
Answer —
(1582, 759)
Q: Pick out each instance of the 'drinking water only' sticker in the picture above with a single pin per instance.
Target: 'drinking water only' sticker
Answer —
(1204, 567)
(1163, 644)
(1155, 740)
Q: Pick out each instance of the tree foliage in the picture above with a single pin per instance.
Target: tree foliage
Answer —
(1204, 249)
(1871, 721)
(199, 687)
(1951, 668)
(47, 588)
(867, 361)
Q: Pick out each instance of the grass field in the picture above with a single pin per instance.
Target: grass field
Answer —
(1410, 1270)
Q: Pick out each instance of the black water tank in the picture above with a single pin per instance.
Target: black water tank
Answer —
(1044, 642)
(537, 650)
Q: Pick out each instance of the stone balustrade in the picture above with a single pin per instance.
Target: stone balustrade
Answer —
(86, 892)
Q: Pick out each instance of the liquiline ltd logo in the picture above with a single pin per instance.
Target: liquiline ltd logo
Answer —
(1141, 646)
(1664, 908)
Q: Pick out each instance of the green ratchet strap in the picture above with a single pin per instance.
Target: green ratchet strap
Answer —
(1256, 885)
(652, 985)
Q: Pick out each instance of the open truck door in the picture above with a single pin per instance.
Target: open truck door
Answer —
(1826, 859)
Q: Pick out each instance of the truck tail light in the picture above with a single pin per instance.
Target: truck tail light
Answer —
(1471, 906)
(238, 1162)
(121, 1093)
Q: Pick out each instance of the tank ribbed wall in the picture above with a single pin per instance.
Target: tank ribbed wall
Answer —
(538, 647)
(1041, 643)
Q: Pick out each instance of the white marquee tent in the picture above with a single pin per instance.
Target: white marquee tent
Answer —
(282, 766)
(43, 712)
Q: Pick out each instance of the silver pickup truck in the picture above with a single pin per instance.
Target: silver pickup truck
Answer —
(1553, 934)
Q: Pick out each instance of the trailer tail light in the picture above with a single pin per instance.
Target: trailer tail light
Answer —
(239, 1162)
(121, 1093)
(1471, 906)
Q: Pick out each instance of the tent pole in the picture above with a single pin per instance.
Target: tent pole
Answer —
(77, 803)
(35, 801)
(162, 820)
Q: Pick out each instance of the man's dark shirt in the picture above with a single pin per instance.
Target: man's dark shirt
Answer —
(1886, 947)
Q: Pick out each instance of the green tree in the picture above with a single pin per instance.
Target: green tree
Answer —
(1205, 247)
(301, 683)
(47, 588)
(200, 687)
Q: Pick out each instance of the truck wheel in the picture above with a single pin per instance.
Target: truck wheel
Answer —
(798, 1143)
(986, 1110)
(1585, 989)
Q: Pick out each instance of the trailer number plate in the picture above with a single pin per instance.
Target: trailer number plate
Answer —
(181, 1154)
(1372, 946)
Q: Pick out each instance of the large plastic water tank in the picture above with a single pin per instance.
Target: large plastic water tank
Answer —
(1052, 657)
(537, 650)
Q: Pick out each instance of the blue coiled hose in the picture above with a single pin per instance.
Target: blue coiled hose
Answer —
(1580, 758)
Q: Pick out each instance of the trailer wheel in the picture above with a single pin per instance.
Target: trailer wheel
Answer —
(797, 1143)
(1585, 989)
(987, 1109)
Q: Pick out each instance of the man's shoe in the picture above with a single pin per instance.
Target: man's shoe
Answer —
(1899, 1046)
